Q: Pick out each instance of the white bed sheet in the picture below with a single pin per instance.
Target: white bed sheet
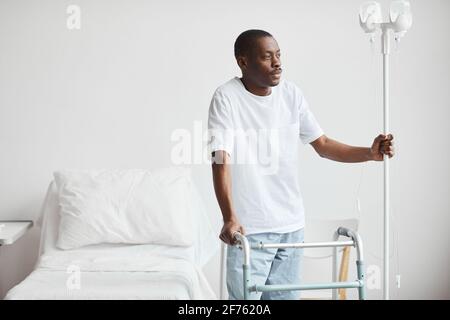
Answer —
(114, 271)
(50, 285)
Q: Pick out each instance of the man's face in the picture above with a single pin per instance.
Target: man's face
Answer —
(263, 64)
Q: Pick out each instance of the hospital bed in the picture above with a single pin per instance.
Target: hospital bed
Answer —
(114, 270)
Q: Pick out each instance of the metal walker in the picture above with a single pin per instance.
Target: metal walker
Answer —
(355, 241)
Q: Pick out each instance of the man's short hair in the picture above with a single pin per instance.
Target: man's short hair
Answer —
(245, 42)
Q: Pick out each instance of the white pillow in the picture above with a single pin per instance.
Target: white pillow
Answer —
(125, 206)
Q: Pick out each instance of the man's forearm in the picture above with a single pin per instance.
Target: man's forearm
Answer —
(222, 188)
(337, 151)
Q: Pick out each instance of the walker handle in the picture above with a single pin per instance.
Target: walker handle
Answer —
(237, 236)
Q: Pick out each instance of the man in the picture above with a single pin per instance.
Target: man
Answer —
(262, 202)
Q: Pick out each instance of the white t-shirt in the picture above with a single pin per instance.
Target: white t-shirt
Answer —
(261, 135)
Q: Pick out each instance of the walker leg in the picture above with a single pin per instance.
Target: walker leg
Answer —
(334, 267)
(361, 289)
(246, 275)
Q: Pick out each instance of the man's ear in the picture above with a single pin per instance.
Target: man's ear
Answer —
(242, 62)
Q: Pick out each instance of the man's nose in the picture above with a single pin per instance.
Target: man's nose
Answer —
(276, 62)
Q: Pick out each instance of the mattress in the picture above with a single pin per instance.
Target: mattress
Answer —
(114, 273)
(50, 285)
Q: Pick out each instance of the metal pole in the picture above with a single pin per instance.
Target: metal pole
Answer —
(246, 276)
(335, 268)
(223, 254)
(386, 51)
(349, 243)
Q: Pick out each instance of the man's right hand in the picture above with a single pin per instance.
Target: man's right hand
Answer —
(222, 187)
(228, 229)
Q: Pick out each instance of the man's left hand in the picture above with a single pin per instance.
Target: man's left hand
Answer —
(382, 145)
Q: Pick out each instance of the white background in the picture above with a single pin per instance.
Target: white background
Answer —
(110, 95)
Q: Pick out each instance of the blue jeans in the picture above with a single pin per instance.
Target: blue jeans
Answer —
(268, 266)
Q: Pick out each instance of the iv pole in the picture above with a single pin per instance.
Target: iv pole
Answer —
(386, 51)
(400, 22)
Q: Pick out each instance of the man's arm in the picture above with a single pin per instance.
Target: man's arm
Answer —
(337, 151)
(222, 187)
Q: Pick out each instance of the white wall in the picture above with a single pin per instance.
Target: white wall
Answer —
(110, 95)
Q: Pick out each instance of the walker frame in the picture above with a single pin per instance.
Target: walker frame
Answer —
(355, 241)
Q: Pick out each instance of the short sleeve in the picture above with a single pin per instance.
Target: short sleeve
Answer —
(310, 129)
(220, 124)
